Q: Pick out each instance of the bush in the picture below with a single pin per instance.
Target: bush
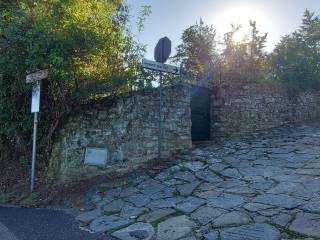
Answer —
(87, 48)
(296, 59)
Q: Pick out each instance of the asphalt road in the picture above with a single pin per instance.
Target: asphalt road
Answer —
(41, 224)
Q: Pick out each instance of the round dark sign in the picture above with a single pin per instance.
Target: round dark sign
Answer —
(163, 50)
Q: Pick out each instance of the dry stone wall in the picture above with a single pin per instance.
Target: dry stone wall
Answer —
(127, 129)
(239, 109)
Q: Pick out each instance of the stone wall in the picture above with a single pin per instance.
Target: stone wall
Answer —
(127, 128)
(238, 109)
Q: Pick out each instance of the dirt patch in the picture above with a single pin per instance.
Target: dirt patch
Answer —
(72, 194)
(12, 173)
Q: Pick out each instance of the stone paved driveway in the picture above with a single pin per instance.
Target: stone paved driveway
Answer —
(264, 187)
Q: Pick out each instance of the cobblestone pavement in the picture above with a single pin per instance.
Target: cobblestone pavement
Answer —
(264, 187)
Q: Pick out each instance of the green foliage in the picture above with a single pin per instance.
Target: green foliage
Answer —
(7, 197)
(31, 199)
(244, 60)
(203, 57)
(197, 53)
(144, 13)
(296, 59)
(295, 62)
(87, 48)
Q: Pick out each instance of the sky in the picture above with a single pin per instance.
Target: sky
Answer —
(170, 17)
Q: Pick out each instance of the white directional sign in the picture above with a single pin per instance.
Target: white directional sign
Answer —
(35, 104)
(160, 67)
(37, 76)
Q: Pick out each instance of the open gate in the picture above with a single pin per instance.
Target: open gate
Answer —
(200, 113)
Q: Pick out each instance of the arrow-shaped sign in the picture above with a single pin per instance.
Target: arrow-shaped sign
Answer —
(160, 67)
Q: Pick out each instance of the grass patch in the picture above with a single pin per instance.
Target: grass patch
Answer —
(7, 197)
(294, 235)
(293, 217)
(205, 162)
(176, 193)
(30, 200)
(180, 213)
(131, 183)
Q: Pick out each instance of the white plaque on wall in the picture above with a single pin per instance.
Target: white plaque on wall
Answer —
(96, 156)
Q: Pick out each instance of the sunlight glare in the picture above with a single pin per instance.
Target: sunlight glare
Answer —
(241, 16)
(240, 35)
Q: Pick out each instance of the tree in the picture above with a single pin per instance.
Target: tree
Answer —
(197, 53)
(87, 48)
(296, 59)
(200, 56)
(245, 60)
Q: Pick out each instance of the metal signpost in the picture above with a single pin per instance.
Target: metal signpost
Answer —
(35, 108)
(161, 54)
